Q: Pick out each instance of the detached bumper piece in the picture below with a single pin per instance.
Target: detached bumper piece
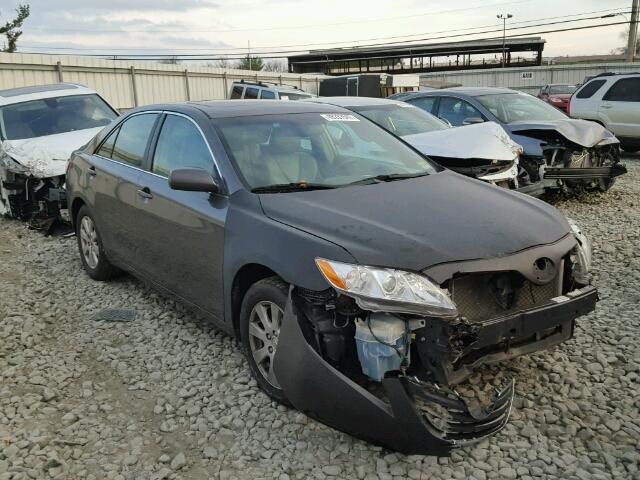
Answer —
(411, 416)
(586, 173)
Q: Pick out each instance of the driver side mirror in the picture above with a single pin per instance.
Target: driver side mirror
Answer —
(472, 120)
(193, 180)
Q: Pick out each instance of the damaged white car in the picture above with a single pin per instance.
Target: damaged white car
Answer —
(483, 151)
(40, 127)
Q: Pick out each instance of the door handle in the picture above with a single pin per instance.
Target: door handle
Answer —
(607, 106)
(145, 193)
(92, 172)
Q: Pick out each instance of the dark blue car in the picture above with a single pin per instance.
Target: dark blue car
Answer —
(565, 153)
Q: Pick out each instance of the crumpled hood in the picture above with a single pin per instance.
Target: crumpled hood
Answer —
(416, 223)
(487, 141)
(47, 156)
(582, 132)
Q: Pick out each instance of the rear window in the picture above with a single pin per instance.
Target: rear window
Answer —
(294, 96)
(50, 116)
(624, 90)
(562, 89)
(267, 95)
(251, 93)
(590, 88)
(236, 92)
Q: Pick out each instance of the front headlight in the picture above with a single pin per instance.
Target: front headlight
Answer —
(582, 260)
(387, 289)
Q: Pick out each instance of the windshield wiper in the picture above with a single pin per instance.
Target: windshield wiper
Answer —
(389, 177)
(291, 187)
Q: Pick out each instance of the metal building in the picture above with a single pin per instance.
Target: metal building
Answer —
(415, 58)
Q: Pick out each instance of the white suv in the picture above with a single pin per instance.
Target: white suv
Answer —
(612, 100)
(269, 91)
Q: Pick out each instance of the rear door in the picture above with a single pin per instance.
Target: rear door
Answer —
(114, 175)
(620, 107)
(183, 231)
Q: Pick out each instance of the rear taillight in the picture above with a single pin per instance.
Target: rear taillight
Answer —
(569, 106)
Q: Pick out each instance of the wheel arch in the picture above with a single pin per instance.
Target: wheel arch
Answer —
(76, 205)
(244, 278)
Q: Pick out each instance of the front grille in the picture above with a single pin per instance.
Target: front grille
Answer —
(486, 295)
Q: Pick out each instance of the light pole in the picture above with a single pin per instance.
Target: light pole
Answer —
(504, 17)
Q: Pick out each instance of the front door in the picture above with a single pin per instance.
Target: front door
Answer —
(184, 231)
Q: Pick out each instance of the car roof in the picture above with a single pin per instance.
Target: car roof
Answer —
(245, 108)
(355, 101)
(36, 92)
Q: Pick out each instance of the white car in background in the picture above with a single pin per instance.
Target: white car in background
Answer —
(613, 100)
(266, 91)
(40, 127)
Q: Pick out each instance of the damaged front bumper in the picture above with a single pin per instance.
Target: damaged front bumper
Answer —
(451, 350)
(413, 417)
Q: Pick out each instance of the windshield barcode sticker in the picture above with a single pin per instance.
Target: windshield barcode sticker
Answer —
(339, 117)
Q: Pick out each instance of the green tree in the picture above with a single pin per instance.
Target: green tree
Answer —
(250, 63)
(11, 29)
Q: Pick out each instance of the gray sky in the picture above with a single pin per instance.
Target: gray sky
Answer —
(139, 25)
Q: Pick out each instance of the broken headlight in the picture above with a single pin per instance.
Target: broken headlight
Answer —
(581, 256)
(388, 290)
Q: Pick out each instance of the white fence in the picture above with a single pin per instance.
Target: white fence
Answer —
(530, 79)
(129, 84)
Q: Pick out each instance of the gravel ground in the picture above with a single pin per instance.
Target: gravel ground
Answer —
(164, 396)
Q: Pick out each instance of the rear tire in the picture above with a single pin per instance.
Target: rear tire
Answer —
(261, 316)
(92, 254)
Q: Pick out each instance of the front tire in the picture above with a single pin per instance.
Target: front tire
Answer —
(261, 317)
(92, 254)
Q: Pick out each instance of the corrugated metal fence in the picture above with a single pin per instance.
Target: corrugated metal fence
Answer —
(530, 79)
(128, 84)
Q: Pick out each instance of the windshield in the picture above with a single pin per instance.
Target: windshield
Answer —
(49, 116)
(512, 107)
(323, 149)
(401, 120)
(562, 89)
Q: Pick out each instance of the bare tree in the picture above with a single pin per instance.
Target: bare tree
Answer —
(278, 65)
(624, 36)
(11, 29)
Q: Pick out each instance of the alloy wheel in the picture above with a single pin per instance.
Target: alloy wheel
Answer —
(89, 242)
(264, 328)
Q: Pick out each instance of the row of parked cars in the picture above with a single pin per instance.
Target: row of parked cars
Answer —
(362, 277)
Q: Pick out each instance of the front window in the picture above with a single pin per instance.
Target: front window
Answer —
(513, 107)
(50, 116)
(319, 149)
(562, 89)
(401, 120)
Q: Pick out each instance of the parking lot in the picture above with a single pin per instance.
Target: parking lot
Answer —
(164, 396)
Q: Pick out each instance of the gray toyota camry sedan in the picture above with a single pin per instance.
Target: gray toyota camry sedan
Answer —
(360, 278)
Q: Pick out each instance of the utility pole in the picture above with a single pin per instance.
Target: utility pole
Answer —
(504, 17)
(249, 53)
(633, 32)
